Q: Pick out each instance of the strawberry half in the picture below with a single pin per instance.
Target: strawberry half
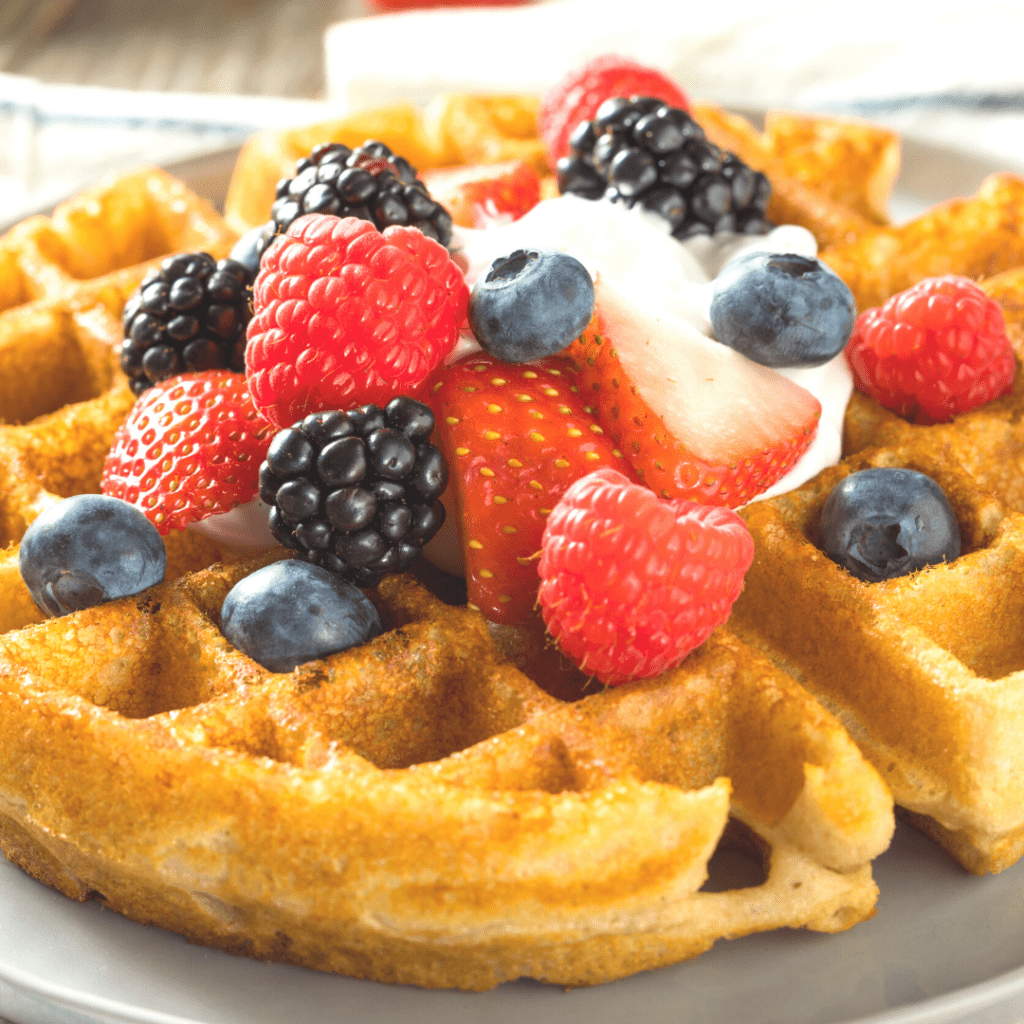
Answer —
(485, 194)
(696, 419)
(190, 448)
(515, 437)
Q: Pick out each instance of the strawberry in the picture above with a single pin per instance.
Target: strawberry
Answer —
(345, 315)
(191, 447)
(485, 194)
(576, 97)
(515, 437)
(630, 584)
(695, 418)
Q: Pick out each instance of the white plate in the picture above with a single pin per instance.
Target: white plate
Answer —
(945, 946)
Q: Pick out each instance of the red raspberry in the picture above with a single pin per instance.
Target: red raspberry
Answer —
(630, 584)
(933, 351)
(346, 315)
(190, 448)
(576, 97)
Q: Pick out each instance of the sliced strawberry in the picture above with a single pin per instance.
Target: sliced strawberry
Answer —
(515, 437)
(696, 419)
(485, 194)
(190, 448)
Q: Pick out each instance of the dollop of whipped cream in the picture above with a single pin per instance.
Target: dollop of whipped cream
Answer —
(245, 526)
(633, 250)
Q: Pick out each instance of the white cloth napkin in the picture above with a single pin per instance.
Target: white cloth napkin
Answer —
(944, 70)
(55, 139)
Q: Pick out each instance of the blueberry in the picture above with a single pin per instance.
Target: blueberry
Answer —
(781, 309)
(884, 523)
(89, 549)
(292, 612)
(531, 304)
(249, 249)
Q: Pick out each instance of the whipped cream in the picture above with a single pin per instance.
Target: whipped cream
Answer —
(245, 526)
(634, 251)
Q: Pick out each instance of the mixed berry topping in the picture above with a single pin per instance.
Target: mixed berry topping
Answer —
(88, 549)
(640, 151)
(530, 304)
(630, 584)
(933, 351)
(884, 523)
(356, 492)
(782, 309)
(189, 315)
(369, 182)
(291, 612)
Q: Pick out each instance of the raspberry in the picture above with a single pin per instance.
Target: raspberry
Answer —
(576, 97)
(630, 584)
(933, 351)
(347, 316)
(190, 448)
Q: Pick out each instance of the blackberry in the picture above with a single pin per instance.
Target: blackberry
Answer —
(188, 315)
(641, 151)
(356, 492)
(369, 182)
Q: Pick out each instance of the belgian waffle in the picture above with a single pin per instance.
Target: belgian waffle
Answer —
(926, 671)
(418, 810)
(63, 283)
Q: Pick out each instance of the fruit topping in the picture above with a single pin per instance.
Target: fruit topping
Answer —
(630, 584)
(576, 97)
(249, 249)
(641, 152)
(291, 612)
(782, 309)
(530, 304)
(190, 448)
(188, 315)
(884, 523)
(516, 437)
(89, 549)
(346, 315)
(356, 492)
(369, 182)
(933, 351)
(695, 419)
(481, 195)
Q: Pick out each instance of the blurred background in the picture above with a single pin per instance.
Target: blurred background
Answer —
(88, 86)
(254, 47)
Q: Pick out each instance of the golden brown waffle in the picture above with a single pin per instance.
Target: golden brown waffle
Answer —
(924, 670)
(63, 283)
(453, 129)
(417, 810)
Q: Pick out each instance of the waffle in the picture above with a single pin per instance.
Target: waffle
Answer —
(418, 810)
(926, 671)
(63, 282)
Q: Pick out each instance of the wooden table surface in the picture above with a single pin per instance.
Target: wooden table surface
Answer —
(253, 47)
